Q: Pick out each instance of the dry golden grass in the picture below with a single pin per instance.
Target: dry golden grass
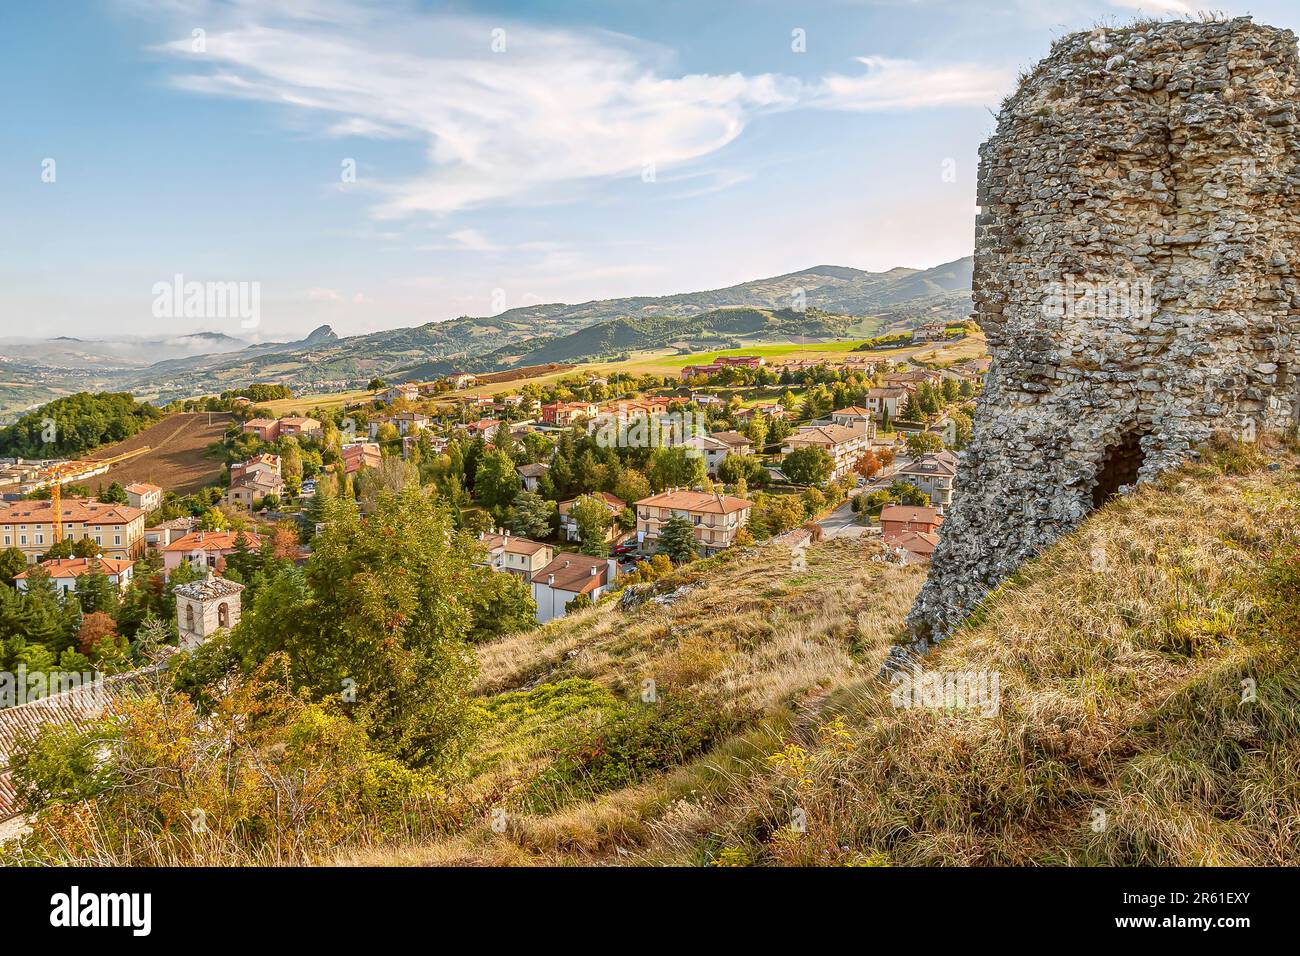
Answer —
(1122, 736)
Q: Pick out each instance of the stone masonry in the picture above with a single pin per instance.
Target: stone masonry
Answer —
(1134, 257)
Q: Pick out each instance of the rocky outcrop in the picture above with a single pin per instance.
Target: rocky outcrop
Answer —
(1134, 272)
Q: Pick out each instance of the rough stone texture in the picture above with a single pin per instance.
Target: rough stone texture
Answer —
(1160, 158)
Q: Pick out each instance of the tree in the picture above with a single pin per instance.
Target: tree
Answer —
(114, 494)
(497, 483)
(809, 465)
(531, 516)
(677, 540)
(500, 604)
(593, 519)
(12, 562)
(675, 468)
(922, 443)
(95, 627)
(867, 464)
(378, 619)
(376, 385)
(631, 486)
(214, 519)
(95, 592)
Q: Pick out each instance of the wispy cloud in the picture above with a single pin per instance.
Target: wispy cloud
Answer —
(515, 113)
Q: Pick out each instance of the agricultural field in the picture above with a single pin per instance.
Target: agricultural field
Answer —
(178, 458)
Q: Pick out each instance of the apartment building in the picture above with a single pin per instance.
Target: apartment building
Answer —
(845, 444)
(142, 495)
(65, 572)
(716, 517)
(205, 550)
(935, 474)
(29, 527)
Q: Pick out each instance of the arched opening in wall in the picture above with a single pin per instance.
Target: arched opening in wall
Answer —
(1119, 467)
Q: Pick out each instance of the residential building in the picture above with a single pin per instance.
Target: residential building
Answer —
(270, 429)
(361, 454)
(914, 547)
(567, 577)
(532, 473)
(254, 487)
(719, 445)
(614, 504)
(912, 378)
(892, 399)
(406, 423)
(895, 519)
(716, 517)
(930, 332)
(690, 371)
(461, 380)
(935, 474)
(855, 416)
(266, 463)
(521, 557)
(487, 427)
(29, 526)
(206, 550)
(165, 532)
(843, 443)
(142, 495)
(740, 361)
(64, 572)
(408, 391)
(567, 413)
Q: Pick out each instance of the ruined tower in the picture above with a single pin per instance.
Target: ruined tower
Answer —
(1134, 253)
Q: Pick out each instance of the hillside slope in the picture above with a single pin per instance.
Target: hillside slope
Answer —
(1148, 708)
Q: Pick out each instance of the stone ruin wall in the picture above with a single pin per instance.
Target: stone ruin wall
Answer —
(1134, 272)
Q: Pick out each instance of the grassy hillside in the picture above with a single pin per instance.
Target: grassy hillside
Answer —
(1124, 732)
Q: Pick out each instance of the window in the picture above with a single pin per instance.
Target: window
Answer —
(189, 617)
(223, 615)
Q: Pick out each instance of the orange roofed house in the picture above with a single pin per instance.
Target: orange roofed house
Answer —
(205, 550)
(29, 527)
(895, 519)
(521, 557)
(142, 495)
(64, 573)
(567, 577)
(716, 517)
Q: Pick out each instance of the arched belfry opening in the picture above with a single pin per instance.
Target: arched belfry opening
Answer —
(1119, 467)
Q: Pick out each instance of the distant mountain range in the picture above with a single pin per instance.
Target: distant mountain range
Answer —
(821, 303)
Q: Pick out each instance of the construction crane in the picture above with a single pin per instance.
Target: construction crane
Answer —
(56, 503)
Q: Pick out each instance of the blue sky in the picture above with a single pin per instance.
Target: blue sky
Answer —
(601, 149)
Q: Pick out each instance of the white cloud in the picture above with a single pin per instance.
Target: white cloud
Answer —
(555, 110)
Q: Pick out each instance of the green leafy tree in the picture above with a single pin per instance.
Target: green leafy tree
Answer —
(922, 443)
(497, 483)
(114, 494)
(12, 562)
(531, 515)
(809, 465)
(593, 519)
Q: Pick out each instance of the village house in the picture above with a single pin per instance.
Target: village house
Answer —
(461, 380)
(740, 361)
(165, 532)
(270, 429)
(717, 446)
(406, 423)
(911, 378)
(142, 495)
(690, 371)
(772, 410)
(361, 454)
(895, 519)
(512, 554)
(612, 503)
(855, 416)
(532, 473)
(935, 474)
(567, 577)
(64, 572)
(914, 547)
(567, 413)
(844, 444)
(266, 463)
(407, 391)
(254, 487)
(206, 550)
(892, 400)
(29, 526)
(930, 332)
(716, 517)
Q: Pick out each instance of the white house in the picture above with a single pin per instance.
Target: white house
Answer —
(142, 495)
(567, 577)
(64, 573)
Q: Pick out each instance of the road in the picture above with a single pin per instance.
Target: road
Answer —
(842, 522)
